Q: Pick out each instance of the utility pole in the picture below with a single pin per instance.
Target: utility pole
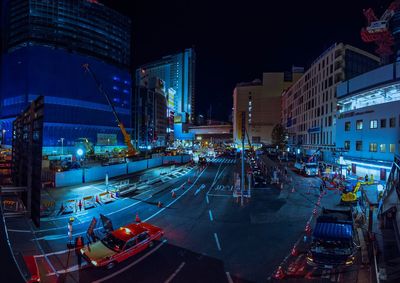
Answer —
(243, 176)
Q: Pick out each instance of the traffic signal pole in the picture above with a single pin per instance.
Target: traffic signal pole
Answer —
(243, 179)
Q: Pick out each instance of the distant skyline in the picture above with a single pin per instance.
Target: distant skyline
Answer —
(237, 41)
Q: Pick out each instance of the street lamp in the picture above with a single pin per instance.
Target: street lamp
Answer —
(79, 152)
(3, 136)
(62, 145)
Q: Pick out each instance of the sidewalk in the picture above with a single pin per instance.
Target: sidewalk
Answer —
(55, 198)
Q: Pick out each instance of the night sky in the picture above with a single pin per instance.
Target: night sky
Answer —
(236, 41)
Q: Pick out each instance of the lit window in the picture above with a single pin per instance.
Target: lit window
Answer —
(382, 147)
(392, 148)
(359, 145)
(347, 126)
(347, 145)
(373, 147)
(359, 124)
(373, 124)
(392, 122)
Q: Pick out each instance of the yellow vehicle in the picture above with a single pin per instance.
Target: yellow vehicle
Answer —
(350, 197)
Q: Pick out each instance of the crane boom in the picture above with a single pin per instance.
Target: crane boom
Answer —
(127, 138)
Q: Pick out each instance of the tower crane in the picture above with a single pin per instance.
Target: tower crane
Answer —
(127, 138)
(377, 30)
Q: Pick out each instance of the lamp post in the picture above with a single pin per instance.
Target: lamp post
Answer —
(79, 152)
(62, 146)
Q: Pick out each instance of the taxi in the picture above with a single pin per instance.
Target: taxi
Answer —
(121, 244)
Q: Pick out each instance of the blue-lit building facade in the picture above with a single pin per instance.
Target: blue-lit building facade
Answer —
(46, 44)
(368, 123)
(178, 73)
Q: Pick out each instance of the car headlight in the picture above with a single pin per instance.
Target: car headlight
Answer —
(310, 259)
(82, 251)
(94, 262)
(350, 260)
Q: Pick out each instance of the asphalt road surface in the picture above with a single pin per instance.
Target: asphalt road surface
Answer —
(209, 236)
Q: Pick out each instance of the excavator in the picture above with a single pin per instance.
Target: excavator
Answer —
(127, 138)
(350, 196)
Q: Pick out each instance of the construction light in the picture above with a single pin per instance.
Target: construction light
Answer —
(79, 152)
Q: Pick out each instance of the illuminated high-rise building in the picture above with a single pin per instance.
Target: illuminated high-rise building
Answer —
(45, 45)
(178, 73)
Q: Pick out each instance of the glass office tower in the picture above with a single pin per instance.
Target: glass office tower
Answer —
(45, 45)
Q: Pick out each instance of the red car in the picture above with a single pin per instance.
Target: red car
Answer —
(121, 244)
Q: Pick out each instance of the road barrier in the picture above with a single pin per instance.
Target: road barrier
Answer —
(89, 202)
(105, 197)
(69, 206)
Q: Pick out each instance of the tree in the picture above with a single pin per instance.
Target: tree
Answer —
(278, 136)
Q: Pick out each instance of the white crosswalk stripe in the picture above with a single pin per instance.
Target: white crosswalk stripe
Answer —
(223, 160)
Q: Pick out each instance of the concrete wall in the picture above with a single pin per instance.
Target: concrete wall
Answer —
(74, 177)
(68, 178)
(154, 162)
(137, 166)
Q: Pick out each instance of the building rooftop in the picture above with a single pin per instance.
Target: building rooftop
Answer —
(378, 86)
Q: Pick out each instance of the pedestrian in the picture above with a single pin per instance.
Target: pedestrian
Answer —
(321, 188)
(286, 171)
(79, 244)
(366, 177)
(80, 205)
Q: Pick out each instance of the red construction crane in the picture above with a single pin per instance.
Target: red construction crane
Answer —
(377, 30)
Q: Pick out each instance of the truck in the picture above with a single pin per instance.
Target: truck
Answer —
(307, 168)
(333, 240)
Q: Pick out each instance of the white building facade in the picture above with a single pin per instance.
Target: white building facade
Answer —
(368, 124)
(309, 105)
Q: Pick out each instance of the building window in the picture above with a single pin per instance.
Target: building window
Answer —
(359, 124)
(373, 147)
(382, 147)
(383, 123)
(392, 122)
(347, 145)
(347, 126)
(373, 124)
(392, 148)
(359, 145)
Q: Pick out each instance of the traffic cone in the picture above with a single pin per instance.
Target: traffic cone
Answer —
(173, 194)
(137, 219)
(294, 251)
(97, 199)
(159, 204)
(279, 273)
(293, 190)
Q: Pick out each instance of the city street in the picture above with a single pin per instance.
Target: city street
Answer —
(208, 237)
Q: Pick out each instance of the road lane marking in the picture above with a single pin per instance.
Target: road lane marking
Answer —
(175, 273)
(70, 269)
(175, 200)
(217, 241)
(130, 265)
(208, 201)
(199, 189)
(229, 277)
(211, 216)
